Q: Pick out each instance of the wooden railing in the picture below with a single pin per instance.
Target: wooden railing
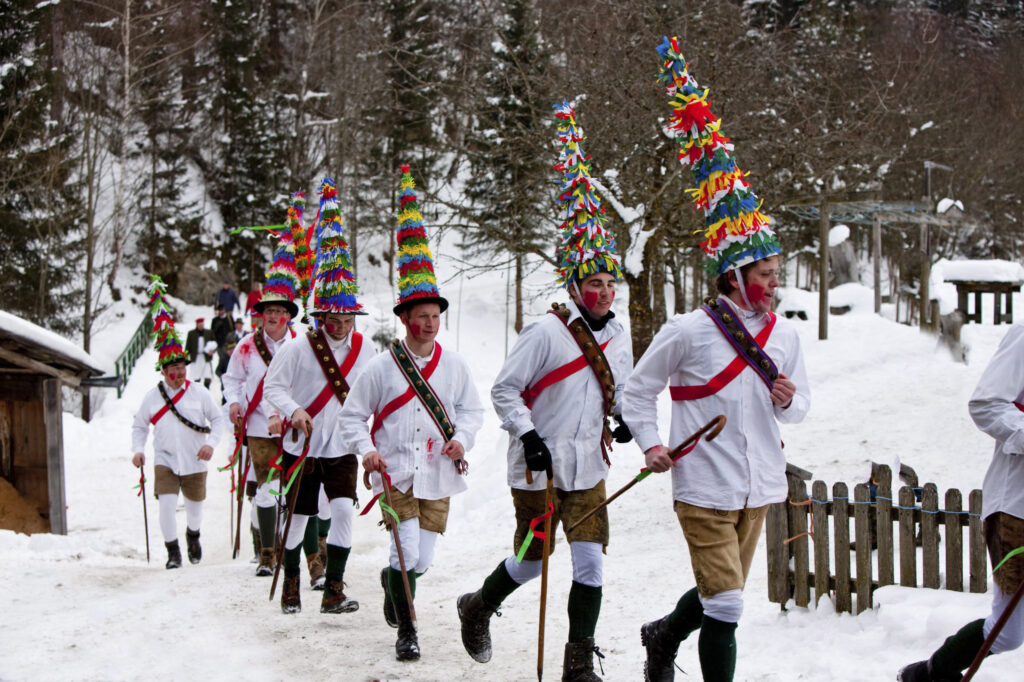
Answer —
(135, 347)
(792, 527)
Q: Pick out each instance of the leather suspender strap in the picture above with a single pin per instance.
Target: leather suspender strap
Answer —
(163, 410)
(261, 347)
(378, 419)
(749, 352)
(337, 384)
(169, 404)
(559, 373)
(422, 388)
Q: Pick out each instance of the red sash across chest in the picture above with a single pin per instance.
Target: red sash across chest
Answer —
(328, 391)
(174, 401)
(378, 419)
(556, 375)
(722, 379)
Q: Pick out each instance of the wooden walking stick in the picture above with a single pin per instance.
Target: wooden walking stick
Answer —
(145, 514)
(996, 629)
(714, 426)
(241, 493)
(386, 483)
(548, 494)
(293, 496)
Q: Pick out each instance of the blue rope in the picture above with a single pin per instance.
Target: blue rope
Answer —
(897, 506)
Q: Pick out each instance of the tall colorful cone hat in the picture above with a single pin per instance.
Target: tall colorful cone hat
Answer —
(282, 277)
(168, 343)
(586, 248)
(304, 258)
(334, 285)
(416, 280)
(736, 232)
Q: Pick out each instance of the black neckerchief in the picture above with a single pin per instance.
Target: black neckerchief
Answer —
(596, 324)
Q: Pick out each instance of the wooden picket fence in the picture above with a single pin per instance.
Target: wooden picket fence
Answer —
(799, 532)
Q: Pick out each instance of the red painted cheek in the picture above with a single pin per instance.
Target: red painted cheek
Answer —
(329, 328)
(589, 299)
(756, 292)
(414, 329)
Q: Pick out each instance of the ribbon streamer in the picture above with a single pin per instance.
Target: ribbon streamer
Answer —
(534, 533)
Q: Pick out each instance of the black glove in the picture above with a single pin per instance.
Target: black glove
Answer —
(538, 457)
(621, 433)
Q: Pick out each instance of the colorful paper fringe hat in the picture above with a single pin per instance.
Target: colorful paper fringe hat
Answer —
(304, 258)
(736, 232)
(282, 277)
(416, 280)
(586, 248)
(168, 343)
(334, 287)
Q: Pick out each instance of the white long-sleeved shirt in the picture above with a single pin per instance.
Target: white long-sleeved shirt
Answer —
(993, 411)
(175, 445)
(295, 379)
(245, 371)
(408, 439)
(744, 466)
(568, 414)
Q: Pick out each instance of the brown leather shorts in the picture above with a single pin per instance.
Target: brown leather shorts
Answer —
(261, 451)
(192, 486)
(721, 543)
(569, 505)
(433, 514)
(1003, 534)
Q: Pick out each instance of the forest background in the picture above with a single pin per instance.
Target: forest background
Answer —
(136, 133)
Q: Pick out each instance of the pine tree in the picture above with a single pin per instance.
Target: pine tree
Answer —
(508, 150)
(38, 206)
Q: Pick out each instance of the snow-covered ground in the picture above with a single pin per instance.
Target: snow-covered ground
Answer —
(88, 607)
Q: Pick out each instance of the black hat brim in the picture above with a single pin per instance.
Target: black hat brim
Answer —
(409, 303)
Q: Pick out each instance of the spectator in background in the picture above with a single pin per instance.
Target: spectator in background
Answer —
(200, 345)
(253, 298)
(223, 334)
(228, 298)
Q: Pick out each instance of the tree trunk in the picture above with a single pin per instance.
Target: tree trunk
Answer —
(519, 293)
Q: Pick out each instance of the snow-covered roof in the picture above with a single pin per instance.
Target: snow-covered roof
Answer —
(983, 271)
(54, 347)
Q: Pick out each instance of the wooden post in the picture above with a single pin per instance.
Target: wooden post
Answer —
(53, 425)
(819, 515)
(876, 257)
(841, 525)
(978, 560)
(954, 541)
(883, 524)
(862, 531)
(930, 535)
(823, 272)
(908, 551)
(926, 273)
(801, 556)
(776, 531)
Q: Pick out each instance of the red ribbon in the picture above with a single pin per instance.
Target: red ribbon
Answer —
(387, 482)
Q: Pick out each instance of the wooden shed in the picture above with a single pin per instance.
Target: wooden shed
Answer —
(34, 364)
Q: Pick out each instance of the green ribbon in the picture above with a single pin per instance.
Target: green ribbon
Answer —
(388, 510)
(1019, 550)
(239, 230)
(526, 544)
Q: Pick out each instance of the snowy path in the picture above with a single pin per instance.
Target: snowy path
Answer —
(87, 607)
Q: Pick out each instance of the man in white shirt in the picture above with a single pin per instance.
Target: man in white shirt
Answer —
(186, 428)
(558, 387)
(426, 413)
(308, 381)
(997, 408)
(731, 357)
(722, 488)
(243, 392)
